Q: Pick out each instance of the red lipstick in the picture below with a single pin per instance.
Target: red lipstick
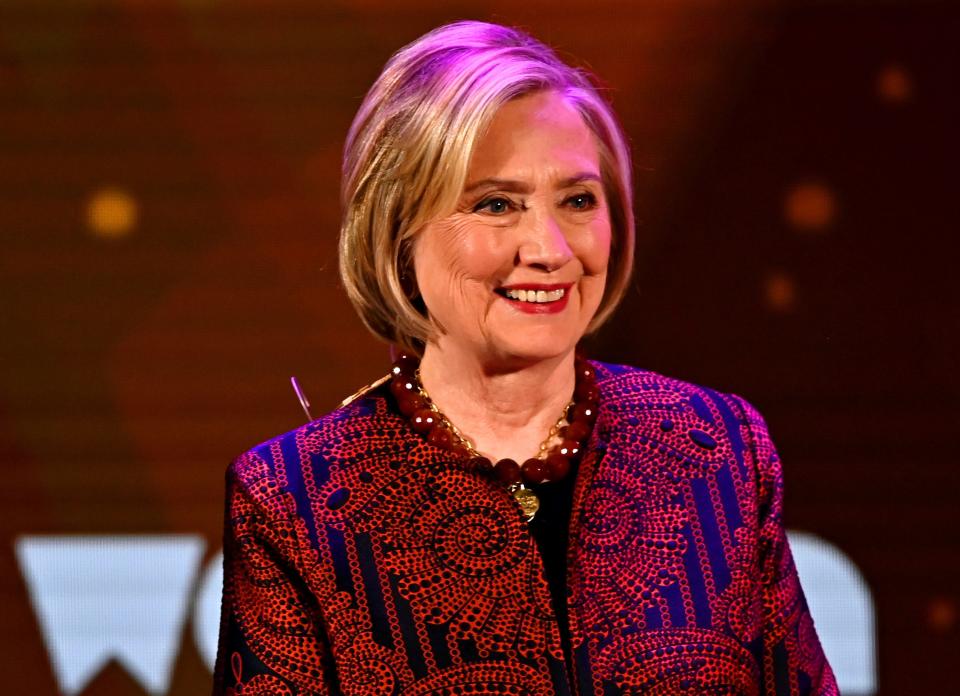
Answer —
(551, 307)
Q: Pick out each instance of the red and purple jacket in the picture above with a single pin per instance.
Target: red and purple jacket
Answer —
(359, 559)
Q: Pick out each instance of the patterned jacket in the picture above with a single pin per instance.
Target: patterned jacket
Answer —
(360, 560)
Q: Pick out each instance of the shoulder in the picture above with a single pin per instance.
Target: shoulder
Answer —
(623, 387)
(304, 455)
(634, 398)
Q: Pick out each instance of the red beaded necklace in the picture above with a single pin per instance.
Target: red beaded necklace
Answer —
(552, 462)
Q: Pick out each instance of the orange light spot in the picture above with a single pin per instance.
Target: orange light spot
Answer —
(894, 84)
(810, 207)
(942, 614)
(111, 213)
(780, 292)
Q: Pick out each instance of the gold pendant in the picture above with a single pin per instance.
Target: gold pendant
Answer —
(527, 500)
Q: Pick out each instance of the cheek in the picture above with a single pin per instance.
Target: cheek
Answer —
(469, 250)
(596, 251)
(454, 258)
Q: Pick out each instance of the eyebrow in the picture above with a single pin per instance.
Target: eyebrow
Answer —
(520, 187)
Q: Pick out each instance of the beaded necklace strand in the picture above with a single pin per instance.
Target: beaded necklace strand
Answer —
(552, 461)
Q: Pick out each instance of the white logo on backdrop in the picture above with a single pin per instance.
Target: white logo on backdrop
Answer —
(206, 613)
(115, 597)
(126, 598)
(842, 610)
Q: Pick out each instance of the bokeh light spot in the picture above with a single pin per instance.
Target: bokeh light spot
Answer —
(780, 292)
(810, 207)
(894, 84)
(111, 213)
(942, 614)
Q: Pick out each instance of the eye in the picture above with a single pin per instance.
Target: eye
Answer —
(582, 201)
(496, 205)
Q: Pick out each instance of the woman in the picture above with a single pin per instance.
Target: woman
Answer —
(498, 515)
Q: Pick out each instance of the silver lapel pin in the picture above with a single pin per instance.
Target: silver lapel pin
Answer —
(302, 397)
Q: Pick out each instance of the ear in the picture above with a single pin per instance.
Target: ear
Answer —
(408, 281)
(408, 278)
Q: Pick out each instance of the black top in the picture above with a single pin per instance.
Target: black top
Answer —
(551, 529)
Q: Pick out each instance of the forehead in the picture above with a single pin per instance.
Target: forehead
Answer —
(532, 133)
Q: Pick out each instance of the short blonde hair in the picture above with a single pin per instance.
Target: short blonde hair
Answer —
(407, 153)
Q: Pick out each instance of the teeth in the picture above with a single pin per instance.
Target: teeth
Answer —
(535, 295)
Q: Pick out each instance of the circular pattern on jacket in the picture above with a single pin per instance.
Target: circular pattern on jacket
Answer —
(483, 679)
(611, 517)
(366, 674)
(690, 662)
(474, 567)
(745, 616)
(475, 541)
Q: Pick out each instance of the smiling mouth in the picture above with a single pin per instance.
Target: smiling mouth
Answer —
(533, 296)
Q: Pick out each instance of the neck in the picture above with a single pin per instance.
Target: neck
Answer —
(505, 409)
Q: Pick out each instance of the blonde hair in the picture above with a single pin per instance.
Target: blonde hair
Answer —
(407, 153)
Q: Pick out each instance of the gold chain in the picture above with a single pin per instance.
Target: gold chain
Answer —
(544, 446)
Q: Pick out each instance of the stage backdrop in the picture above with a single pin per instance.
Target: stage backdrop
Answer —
(168, 223)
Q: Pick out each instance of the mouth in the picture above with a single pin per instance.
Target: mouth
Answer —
(530, 295)
(536, 297)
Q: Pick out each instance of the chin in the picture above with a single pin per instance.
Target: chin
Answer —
(545, 345)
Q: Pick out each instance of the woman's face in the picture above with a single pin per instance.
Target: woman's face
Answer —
(518, 269)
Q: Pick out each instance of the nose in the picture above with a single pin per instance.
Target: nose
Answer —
(544, 244)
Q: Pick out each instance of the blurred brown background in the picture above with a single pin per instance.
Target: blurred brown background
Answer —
(168, 222)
